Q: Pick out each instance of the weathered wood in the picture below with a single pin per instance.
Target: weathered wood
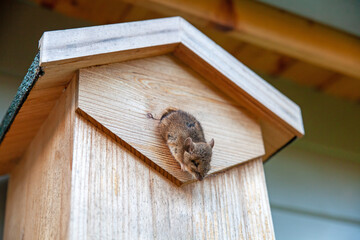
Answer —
(268, 27)
(119, 96)
(39, 189)
(236, 80)
(39, 103)
(116, 196)
(274, 139)
(64, 52)
(130, 40)
(49, 87)
(245, 20)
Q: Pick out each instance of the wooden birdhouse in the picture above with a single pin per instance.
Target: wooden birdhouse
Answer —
(87, 162)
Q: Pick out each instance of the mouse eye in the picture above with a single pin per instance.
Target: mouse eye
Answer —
(195, 163)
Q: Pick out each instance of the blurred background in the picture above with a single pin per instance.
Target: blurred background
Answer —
(309, 50)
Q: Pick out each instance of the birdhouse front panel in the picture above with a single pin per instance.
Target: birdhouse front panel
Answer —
(88, 113)
(127, 99)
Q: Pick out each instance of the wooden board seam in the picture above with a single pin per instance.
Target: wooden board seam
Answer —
(131, 149)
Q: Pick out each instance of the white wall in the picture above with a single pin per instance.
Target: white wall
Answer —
(314, 196)
(314, 184)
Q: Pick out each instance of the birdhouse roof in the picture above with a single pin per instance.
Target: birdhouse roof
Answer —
(62, 53)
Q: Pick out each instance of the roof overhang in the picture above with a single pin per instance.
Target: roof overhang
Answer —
(62, 53)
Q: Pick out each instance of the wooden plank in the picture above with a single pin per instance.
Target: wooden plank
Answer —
(77, 51)
(16, 203)
(344, 87)
(39, 188)
(307, 74)
(275, 135)
(119, 94)
(245, 20)
(30, 118)
(237, 80)
(72, 46)
(57, 75)
(99, 12)
(64, 52)
(116, 196)
(234, 30)
(271, 28)
(262, 60)
(274, 139)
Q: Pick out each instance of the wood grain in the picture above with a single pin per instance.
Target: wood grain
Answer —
(119, 96)
(274, 138)
(120, 42)
(27, 123)
(236, 80)
(270, 28)
(230, 24)
(39, 189)
(64, 52)
(254, 22)
(153, 38)
(116, 196)
(72, 46)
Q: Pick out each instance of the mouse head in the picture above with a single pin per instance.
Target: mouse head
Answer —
(197, 157)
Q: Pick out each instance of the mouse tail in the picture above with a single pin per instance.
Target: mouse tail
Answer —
(167, 112)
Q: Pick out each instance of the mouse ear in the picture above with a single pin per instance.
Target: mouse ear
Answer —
(189, 145)
(211, 143)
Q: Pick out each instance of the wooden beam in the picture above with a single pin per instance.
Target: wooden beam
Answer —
(236, 80)
(38, 199)
(270, 28)
(64, 52)
(70, 50)
(245, 20)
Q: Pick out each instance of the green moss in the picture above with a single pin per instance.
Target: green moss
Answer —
(23, 91)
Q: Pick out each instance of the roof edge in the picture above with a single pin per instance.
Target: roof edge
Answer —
(57, 46)
(62, 53)
(32, 75)
(272, 100)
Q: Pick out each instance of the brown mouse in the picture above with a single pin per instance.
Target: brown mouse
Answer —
(185, 138)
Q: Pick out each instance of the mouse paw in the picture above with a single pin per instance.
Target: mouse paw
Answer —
(182, 167)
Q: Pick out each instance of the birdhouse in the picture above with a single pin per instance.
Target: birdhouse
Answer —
(87, 162)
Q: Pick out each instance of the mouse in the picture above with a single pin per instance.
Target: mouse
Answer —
(184, 136)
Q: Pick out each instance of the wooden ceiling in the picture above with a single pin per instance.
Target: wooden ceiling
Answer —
(266, 39)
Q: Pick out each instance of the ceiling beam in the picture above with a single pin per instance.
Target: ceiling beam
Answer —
(244, 20)
(270, 28)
